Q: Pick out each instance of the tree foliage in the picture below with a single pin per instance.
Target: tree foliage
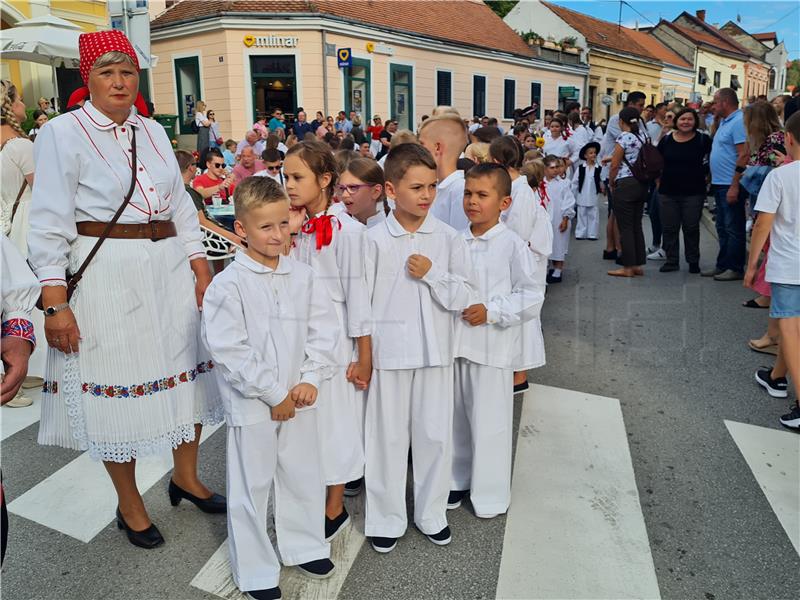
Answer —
(501, 7)
(793, 73)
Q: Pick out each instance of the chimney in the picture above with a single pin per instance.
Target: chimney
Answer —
(701, 14)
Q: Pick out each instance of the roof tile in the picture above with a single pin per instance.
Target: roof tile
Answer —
(710, 35)
(657, 49)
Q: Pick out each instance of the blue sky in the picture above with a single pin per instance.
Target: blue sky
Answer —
(782, 16)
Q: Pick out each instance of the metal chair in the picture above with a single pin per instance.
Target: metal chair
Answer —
(218, 247)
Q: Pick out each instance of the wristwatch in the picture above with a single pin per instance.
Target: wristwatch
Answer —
(51, 310)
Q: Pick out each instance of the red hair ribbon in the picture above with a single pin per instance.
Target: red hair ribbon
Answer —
(544, 199)
(322, 226)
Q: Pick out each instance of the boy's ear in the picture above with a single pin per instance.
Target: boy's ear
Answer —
(390, 191)
(238, 228)
(505, 203)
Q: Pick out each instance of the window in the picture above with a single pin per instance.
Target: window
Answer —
(509, 98)
(187, 83)
(357, 89)
(717, 78)
(401, 81)
(444, 88)
(479, 95)
(772, 79)
(536, 98)
(735, 85)
(702, 76)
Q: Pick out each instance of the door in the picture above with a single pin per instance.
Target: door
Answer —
(401, 82)
(357, 89)
(274, 85)
(187, 83)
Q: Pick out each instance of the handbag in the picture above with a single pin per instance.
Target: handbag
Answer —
(73, 280)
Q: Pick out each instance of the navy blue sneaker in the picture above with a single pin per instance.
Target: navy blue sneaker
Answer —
(318, 569)
(270, 594)
(383, 544)
(442, 538)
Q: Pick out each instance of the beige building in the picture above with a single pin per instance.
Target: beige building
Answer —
(245, 58)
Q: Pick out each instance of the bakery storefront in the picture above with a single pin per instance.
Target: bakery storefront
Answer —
(244, 65)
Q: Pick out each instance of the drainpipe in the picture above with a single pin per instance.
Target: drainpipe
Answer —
(325, 73)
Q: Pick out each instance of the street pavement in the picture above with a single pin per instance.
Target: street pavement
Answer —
(648, 464)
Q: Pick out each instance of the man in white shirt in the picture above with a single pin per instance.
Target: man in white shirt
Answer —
(445, 137)
(253, 139)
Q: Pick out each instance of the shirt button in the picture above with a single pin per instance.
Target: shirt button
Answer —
(156, 212)
(152, 190)
(141, 168)
(122, 129)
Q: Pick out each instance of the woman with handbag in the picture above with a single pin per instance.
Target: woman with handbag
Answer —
(16, 173)
(126, 376)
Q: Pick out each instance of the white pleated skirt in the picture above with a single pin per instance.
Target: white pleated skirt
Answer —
(141, 379)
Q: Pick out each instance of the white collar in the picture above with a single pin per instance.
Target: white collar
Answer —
(102, 122)
(397, 230)
(243, 260)
(499, 228)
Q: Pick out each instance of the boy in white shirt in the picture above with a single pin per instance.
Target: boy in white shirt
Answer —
(487, 335)
(778, 207)
(266, 321)
(561, 206)
(418, 274)
(586, 186)
(445, 136)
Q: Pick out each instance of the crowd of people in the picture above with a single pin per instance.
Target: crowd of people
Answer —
(385, 283)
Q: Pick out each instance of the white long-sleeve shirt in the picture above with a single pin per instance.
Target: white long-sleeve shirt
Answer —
(562, 202)
(588, 195)
(503, 274)
(414, 317)
(579, 138)
(267, 330)
(340, 265)
(449, 204)
(557, 147)
(528, 218)
(83, 173)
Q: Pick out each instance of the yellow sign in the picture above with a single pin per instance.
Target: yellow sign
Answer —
(370, 46)
(249, 40)
(344, 54)
(271, 41)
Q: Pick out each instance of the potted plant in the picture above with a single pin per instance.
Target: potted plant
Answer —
(550, 42)
(532, 38)
(568, 41)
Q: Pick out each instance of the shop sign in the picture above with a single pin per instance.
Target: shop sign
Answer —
(345, 57)
(271, 41)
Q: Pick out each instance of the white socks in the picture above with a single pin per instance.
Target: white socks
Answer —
(556, 272)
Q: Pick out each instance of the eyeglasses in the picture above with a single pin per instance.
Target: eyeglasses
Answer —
(352, 188)
(218, 165)
(276, 168)
(210, 114)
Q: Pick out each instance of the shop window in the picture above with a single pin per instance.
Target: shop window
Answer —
(735, 85)
(567, 94)
(702, 76)
(772, 79)
(444, 88)
(273, 84)
(479, 95)
(357, 89)
(536, 98)
(717, 78)
(187, 83)
(401, 78)
(509, 98)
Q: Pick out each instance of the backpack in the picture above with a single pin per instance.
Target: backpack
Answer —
(648, 165)
(193, 125)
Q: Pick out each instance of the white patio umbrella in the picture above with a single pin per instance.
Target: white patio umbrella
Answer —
(46, 40)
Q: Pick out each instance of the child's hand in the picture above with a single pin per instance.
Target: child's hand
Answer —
(563, 225)
(283, 411)
(475, 314)
(418, 265)
(359, 373)
(605, 161)
(297, 216)
(303, 394)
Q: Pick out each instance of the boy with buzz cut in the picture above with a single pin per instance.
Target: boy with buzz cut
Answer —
(266, 320)
(487, 335)
(418, 275)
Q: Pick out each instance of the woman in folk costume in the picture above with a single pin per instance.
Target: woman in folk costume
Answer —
(126, 376)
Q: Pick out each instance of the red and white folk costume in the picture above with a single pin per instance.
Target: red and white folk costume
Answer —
(141, 379)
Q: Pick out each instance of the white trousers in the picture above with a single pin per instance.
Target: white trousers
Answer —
(482, 423)
(339, 420)
(287, 455)
(588, 222)
(560, 242)
(408, 407)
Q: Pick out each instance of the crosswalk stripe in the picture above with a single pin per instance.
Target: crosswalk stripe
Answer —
(574, 495)
(13, 420)
(215, 576)
(79, 499)
(774, 458)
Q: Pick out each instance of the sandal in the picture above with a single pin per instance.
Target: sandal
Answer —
(753, 304)
(621, 273)
(771, 347)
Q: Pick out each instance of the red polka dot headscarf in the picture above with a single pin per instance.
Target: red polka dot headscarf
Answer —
(94, 45)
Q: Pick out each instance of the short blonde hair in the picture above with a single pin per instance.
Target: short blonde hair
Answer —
(479, 151)
(112, 58)
(443, 110)
(254, 192)
(449, 116)
(404, 136)
(533, 172)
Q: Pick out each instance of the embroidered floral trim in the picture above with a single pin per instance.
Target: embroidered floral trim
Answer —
(147, 388)
(50, 387)
(21, 328)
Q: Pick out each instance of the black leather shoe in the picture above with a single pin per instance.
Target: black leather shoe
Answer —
(149, 538)
(213, 504)
(270, 594)
(609, 255)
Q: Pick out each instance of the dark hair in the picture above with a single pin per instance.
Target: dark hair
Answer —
(38, 113)
(520, 129)
(319, 159)
(570, 106)
(792, 126)
(213, 153)
(630, 116)
(185, 159)
(635, 97)
(486, 134)
(551, 158)
(505, 150)
(682, 112)
(404, 156)
(791, 107)
(492, 122)
(729, 95)
(502, 180)
(271, 155)
(348, 143)
(661, 105)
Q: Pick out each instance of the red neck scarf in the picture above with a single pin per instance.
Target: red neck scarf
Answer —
(322, 227)
(91, 47)
(544, 199)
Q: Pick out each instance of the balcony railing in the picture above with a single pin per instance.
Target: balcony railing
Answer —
(558, 56)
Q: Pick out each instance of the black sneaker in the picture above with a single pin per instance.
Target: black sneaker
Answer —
(777, 388)
(552, 278)
(694, 268)
(612, 255)
(455, 498)
(353, 488)
(669, 268)
(521, 387)
(334, 527)
(383, 544)
(318, 569)
(792, 419)
(270, 594)
(442, 538)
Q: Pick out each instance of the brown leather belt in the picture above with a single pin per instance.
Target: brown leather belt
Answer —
(155, 230)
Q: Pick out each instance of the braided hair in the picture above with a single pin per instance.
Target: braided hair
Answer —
(7, 116)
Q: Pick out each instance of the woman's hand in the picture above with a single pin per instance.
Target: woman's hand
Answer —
(61, 331)
(202, 276)
(15, 354)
